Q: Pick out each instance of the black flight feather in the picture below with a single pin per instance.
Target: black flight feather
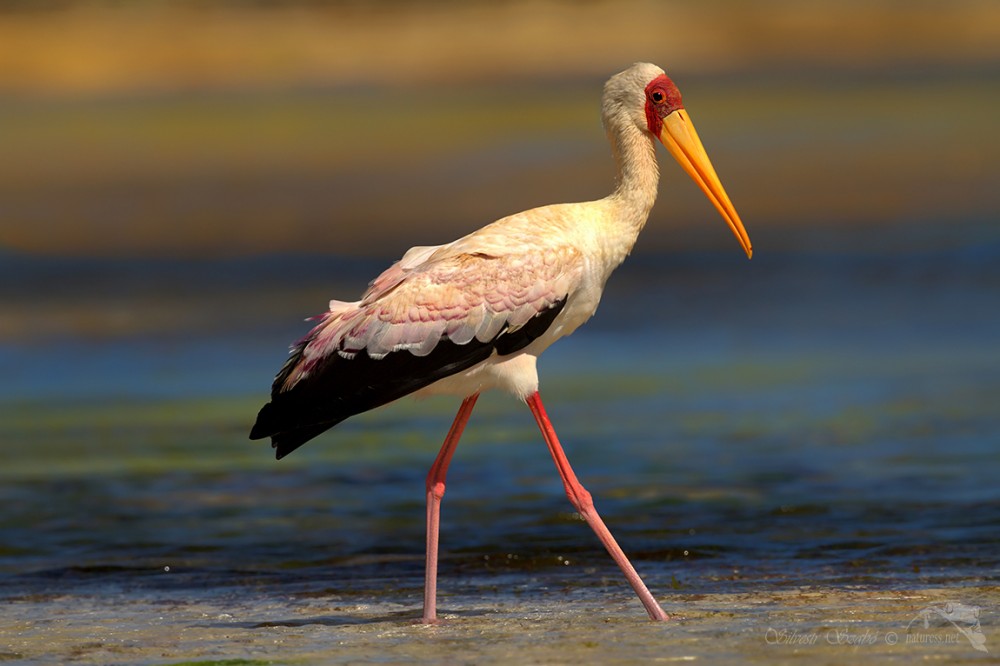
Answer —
(338, 388)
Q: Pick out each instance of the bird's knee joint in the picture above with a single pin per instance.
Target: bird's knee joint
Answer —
(436, 490)
(581, 499)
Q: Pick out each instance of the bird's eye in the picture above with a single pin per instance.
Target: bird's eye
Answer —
(657, 96)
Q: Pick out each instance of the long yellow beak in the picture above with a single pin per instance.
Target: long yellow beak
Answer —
(681, 139)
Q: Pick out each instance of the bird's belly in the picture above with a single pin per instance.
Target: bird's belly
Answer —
(514, 374)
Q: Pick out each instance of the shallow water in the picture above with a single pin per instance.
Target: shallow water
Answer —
(799, 454)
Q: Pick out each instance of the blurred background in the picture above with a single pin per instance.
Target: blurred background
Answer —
(151, 130)
(181, 183)
(135, 133)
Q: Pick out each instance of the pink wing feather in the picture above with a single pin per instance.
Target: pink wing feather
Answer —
(435, 293)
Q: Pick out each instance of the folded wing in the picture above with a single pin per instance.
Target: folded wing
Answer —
(436, 312)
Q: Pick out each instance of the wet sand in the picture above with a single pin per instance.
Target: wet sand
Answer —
(542, 625)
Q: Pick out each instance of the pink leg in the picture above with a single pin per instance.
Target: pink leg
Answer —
(435, 491)
(584, 504)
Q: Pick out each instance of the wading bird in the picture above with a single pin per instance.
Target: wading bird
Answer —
(475, 314)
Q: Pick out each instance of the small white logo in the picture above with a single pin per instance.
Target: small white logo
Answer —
(945, 623)
(964, 618)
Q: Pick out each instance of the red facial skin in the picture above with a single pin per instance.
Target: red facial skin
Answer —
(662, 99)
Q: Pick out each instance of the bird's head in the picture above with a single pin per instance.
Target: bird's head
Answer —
(648, 96)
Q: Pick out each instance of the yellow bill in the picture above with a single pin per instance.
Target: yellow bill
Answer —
(681, 139)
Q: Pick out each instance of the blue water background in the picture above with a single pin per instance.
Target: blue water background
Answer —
(825, 413)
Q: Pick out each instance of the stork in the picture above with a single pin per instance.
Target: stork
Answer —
(475, 314)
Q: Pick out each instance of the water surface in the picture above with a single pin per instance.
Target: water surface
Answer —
(807, 442)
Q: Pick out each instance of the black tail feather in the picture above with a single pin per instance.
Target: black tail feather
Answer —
(285, 442)
(341, 387)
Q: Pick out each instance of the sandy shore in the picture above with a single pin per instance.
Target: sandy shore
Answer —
(816, 624)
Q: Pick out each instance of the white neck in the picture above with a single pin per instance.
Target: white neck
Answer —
(637, 182)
